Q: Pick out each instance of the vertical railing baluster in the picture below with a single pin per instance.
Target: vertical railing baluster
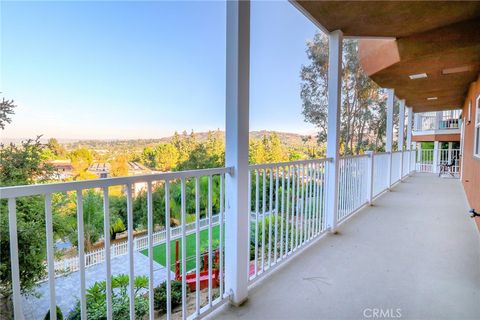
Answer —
(270, 216)
(297, 233)
(131, 249)
(50, 255)
(222, 208)
(184, 250)
(108, 266)
(151, 312)
(275, 241)
(264, 200)
(210, 241)
(282, 208)
(287, 220)
(197, 245)
(81, 254)
(257, 204)
(14, 262)
(167, 249)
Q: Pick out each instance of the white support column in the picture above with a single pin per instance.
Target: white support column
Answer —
(401, 134)
(409, 127)
(236, 150)
(370, 177)
(389, 143)
(401, 125)
(436, 152)
(409, 138)
(333, 130)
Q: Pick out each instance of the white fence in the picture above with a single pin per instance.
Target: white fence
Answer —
(121, 248)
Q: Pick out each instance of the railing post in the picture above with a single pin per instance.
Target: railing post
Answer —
(333, 136)
(370, 176)
(236, 150)
(435, 156)
(389, 143)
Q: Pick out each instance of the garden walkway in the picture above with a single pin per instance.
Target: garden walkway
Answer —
(68, 288)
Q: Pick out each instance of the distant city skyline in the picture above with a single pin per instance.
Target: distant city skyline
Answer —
(141, 70)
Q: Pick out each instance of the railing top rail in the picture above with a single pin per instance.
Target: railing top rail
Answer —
(42, 189)
(286, 163)
(381, 153)
(354, 156)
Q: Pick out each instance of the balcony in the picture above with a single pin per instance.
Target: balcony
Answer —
(437, 123)
(412, 250)
(288, 211)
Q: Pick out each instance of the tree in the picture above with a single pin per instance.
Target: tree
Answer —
(119, 166)
(362, 100)
(56, 148)
(149, 157)
(20, 165)
(6, 109)
(81, 159)
(166, 157)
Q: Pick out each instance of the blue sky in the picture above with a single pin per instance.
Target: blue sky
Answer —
(118, 69)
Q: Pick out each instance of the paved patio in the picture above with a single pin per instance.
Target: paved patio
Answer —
(68, 287)
(415, 254)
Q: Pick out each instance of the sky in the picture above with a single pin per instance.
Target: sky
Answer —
(130, 69)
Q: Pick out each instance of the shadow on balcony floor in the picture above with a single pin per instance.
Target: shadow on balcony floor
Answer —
(415, 250)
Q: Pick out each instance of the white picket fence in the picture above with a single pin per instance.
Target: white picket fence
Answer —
(121, 248)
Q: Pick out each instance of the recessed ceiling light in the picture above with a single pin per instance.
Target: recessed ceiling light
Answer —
(457, 69)
(432, 98)
(417, 76)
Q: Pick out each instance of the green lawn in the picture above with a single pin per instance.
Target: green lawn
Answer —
(159, 254)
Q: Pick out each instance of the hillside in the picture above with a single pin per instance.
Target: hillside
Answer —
(137, 145)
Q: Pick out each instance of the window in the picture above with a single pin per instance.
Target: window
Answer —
(476, 145)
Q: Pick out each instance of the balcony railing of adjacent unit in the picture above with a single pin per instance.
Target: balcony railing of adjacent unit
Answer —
(437, 120)
(287, 204)
(428, 161)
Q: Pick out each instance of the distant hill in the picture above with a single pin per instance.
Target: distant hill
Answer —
(136, 145)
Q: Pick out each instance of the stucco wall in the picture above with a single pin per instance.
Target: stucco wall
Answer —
(471, 165)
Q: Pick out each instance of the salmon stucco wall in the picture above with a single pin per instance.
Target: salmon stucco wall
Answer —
(471, 164)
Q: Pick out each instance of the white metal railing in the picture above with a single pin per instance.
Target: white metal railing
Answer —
(287, 204)
(424, 161)
(167, 180)
(381, 166)
(287, 201)
(352, 193)
(449, 119)
(396, 170)
(429, 161)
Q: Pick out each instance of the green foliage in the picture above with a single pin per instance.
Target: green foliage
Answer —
(160, 295)
(20, 165)
(6, 110)
(59, 314)
(24, 164)
(96, 299)
(363, 102)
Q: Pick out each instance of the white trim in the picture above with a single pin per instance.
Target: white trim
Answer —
(476, 129)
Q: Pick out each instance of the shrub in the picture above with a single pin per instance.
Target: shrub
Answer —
(160, 295)
(59, 314)
(96, 300)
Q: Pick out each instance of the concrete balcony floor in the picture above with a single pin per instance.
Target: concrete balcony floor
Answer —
(416, 249)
